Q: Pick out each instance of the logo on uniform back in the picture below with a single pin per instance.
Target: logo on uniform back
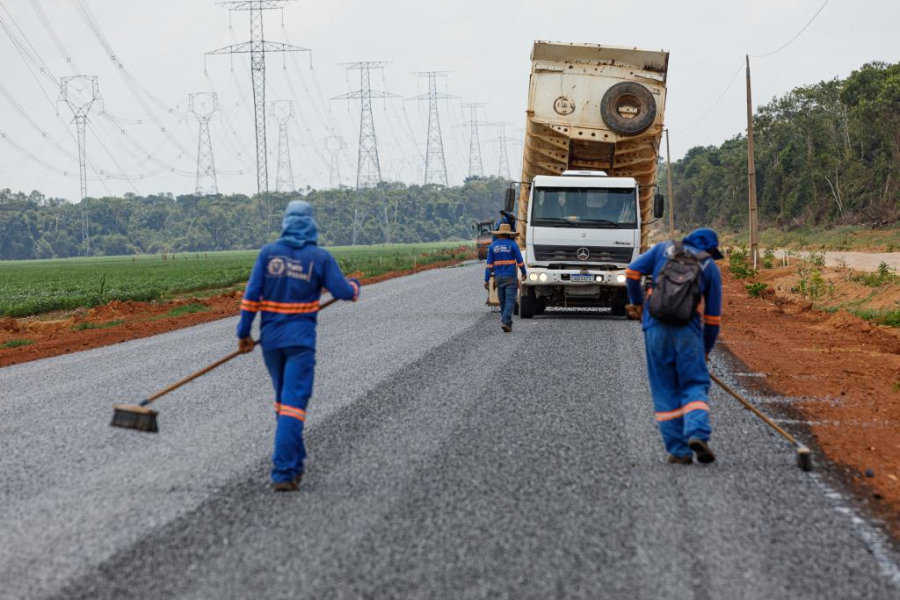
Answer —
(276, 266)
(583, 254)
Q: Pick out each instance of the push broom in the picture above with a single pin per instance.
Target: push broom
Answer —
(141, 418)
(804, 457)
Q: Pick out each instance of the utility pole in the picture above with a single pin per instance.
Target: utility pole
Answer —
(435, 163)
(334, 145)
(283, 110)
(203, 105)
(751, 175)
(368, 167)
(476, 168)
(80, 92)
(671, 194)
(257, 48)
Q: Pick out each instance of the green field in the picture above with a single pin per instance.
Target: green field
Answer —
(36, 286)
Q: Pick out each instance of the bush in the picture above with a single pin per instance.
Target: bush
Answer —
(882, 276)
(738, 264)
(755, 289)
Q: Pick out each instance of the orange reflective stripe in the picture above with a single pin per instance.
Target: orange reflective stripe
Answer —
(289, 308)
(274, 304)
(249, 305)
(696, 405)
(668, 416)
(277, 407)
(712, 320)
(249, 308)
(293, 416)
(520, 264)
(630, 274)
(251, 302)
(505, 262)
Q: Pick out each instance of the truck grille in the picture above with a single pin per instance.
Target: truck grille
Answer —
(613, 254)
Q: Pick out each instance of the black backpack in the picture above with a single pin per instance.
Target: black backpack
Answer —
(676, 292)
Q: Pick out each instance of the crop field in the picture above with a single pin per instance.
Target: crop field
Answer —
(36, 286)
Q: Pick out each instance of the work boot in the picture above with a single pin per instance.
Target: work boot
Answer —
(285, 486)
(507, 327)
(298, 479)
(680, 460)
(702, 450)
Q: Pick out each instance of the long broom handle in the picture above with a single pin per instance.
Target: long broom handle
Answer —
(755, 410)
(209, 368)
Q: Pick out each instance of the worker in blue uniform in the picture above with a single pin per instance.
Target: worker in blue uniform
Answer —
(677, 355)
(285, 286)
(506, 218)
(503, 259)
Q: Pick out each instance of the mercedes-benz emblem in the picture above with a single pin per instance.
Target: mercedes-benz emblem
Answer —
(583, 254)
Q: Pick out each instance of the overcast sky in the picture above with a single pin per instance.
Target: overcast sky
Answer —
(485, 44)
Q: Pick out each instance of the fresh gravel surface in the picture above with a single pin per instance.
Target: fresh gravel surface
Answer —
(448, 460)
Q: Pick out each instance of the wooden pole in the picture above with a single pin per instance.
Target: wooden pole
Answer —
(751, 175)
(671, 195)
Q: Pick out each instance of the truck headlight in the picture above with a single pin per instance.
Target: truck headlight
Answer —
(543, 277)
(532, 276)
(620, 278)
(598, 278)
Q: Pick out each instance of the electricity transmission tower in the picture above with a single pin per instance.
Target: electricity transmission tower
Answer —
(368, 167)
(334, 145)
(503, 141)
(435, 163)
(257, 48)
(80, 92)
(203, 105)
(476, 168)
(283, 110)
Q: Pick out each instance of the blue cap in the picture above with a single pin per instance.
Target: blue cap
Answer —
(705, 240)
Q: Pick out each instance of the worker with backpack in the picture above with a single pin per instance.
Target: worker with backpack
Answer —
(679, 336)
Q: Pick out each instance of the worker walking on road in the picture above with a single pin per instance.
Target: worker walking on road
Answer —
(285, 286)
(679, 337)
(503, 259)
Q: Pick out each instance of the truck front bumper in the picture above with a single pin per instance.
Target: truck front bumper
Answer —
(539, 276)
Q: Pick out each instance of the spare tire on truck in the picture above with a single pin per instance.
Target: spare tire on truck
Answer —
(628, 108)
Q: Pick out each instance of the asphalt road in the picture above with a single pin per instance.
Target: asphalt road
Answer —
(448, 460)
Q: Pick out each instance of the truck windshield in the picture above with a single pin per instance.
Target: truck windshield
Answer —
(585, 207)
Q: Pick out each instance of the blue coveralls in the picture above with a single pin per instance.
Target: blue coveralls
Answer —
(503, 257)
(676, 355)
(285, 287)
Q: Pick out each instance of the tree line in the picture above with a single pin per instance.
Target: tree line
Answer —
(826, 154)
(35, 226)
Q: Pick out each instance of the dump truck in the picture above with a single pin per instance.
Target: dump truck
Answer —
(588, 192)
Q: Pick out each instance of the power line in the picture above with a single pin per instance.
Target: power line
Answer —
(719, 99)
(790, 41)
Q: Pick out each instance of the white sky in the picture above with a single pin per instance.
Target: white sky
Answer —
(485, 44)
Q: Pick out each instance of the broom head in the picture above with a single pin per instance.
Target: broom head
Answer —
(132, 416)
(804, 458)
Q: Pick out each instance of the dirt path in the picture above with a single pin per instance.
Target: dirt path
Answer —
(841, 373)
(863, 261)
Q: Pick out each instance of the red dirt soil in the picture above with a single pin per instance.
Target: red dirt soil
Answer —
(844, 371)
(55, 336)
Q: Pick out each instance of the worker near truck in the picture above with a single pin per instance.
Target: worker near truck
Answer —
(285, 286)
(503, 260)
(506, 218)
(677, 354)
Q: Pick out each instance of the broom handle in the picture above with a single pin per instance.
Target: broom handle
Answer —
(206, 370)
(755, 410)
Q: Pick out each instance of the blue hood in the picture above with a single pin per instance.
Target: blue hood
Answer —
(705, 240)
(298, 227)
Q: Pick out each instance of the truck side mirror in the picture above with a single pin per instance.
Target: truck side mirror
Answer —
(510, 200)
(659, 206)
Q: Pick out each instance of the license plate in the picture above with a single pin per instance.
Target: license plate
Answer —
(581, 278)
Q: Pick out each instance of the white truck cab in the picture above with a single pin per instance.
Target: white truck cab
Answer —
(583, 228)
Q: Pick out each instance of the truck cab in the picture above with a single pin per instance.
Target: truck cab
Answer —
(583, 228)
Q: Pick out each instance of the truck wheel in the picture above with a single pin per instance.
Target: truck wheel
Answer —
(628, 108)
(540, 307)
(618, 310)
(527, 304)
